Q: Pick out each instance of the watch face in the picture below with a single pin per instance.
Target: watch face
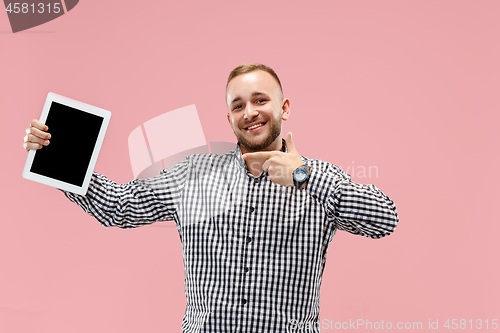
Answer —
(300, 175)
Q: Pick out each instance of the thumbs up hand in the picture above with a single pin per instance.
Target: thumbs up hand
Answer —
(279, 165)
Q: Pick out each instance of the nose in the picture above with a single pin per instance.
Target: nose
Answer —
(250, 111)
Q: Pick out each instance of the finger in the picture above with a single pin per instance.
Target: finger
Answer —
(33, 139)
(289, 143)
(40, 134)
(26, 136)
(37, 124)
(30, 145)
(261, 155)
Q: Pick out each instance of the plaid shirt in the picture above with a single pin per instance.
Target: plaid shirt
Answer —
(254, 251)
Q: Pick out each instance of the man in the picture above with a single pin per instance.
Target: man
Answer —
(255, 223)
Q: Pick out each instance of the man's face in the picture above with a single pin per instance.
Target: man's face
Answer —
(256, 109)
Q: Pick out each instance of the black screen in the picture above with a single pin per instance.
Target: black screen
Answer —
(74, 135)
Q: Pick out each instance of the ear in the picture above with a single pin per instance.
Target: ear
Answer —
(285, 109)
(229, 120)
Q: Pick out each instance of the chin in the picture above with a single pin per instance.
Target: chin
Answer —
(257, 145)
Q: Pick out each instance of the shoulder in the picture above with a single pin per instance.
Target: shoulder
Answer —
(199, 164)
(206, 161)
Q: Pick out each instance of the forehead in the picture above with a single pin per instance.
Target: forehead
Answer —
(245, 85)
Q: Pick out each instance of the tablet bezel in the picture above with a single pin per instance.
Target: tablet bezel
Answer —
(106, 115)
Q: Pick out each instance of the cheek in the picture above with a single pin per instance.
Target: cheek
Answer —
(232, 120)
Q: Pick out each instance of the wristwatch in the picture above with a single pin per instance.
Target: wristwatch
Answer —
(301, 176)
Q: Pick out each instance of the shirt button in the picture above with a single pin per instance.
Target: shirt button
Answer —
(252, 209)
(243, 301)
(249, 239)
(256, 180)
(246, 269)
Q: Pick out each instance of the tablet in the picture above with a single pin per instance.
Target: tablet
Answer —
(77, 132)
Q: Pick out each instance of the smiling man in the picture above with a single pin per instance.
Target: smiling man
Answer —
(255, 223)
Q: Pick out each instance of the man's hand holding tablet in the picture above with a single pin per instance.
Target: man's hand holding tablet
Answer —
(36, 136)
(62, 164)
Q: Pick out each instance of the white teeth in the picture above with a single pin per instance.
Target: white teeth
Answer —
(255, 126)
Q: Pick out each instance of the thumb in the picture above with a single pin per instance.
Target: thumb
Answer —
(289, 143)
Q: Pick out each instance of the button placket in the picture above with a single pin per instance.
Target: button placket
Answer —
(247, 245)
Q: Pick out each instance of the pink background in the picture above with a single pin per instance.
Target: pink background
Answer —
(410, 87)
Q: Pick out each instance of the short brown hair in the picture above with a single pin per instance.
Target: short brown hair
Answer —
(247, 68)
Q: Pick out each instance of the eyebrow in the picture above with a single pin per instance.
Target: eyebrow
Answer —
(257, 93)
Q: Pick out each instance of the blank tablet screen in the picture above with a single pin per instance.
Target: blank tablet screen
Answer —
(74, 135)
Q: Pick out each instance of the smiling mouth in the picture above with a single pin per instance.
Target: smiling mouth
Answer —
(255, 126)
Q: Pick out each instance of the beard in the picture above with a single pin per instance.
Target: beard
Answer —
(274, 132)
